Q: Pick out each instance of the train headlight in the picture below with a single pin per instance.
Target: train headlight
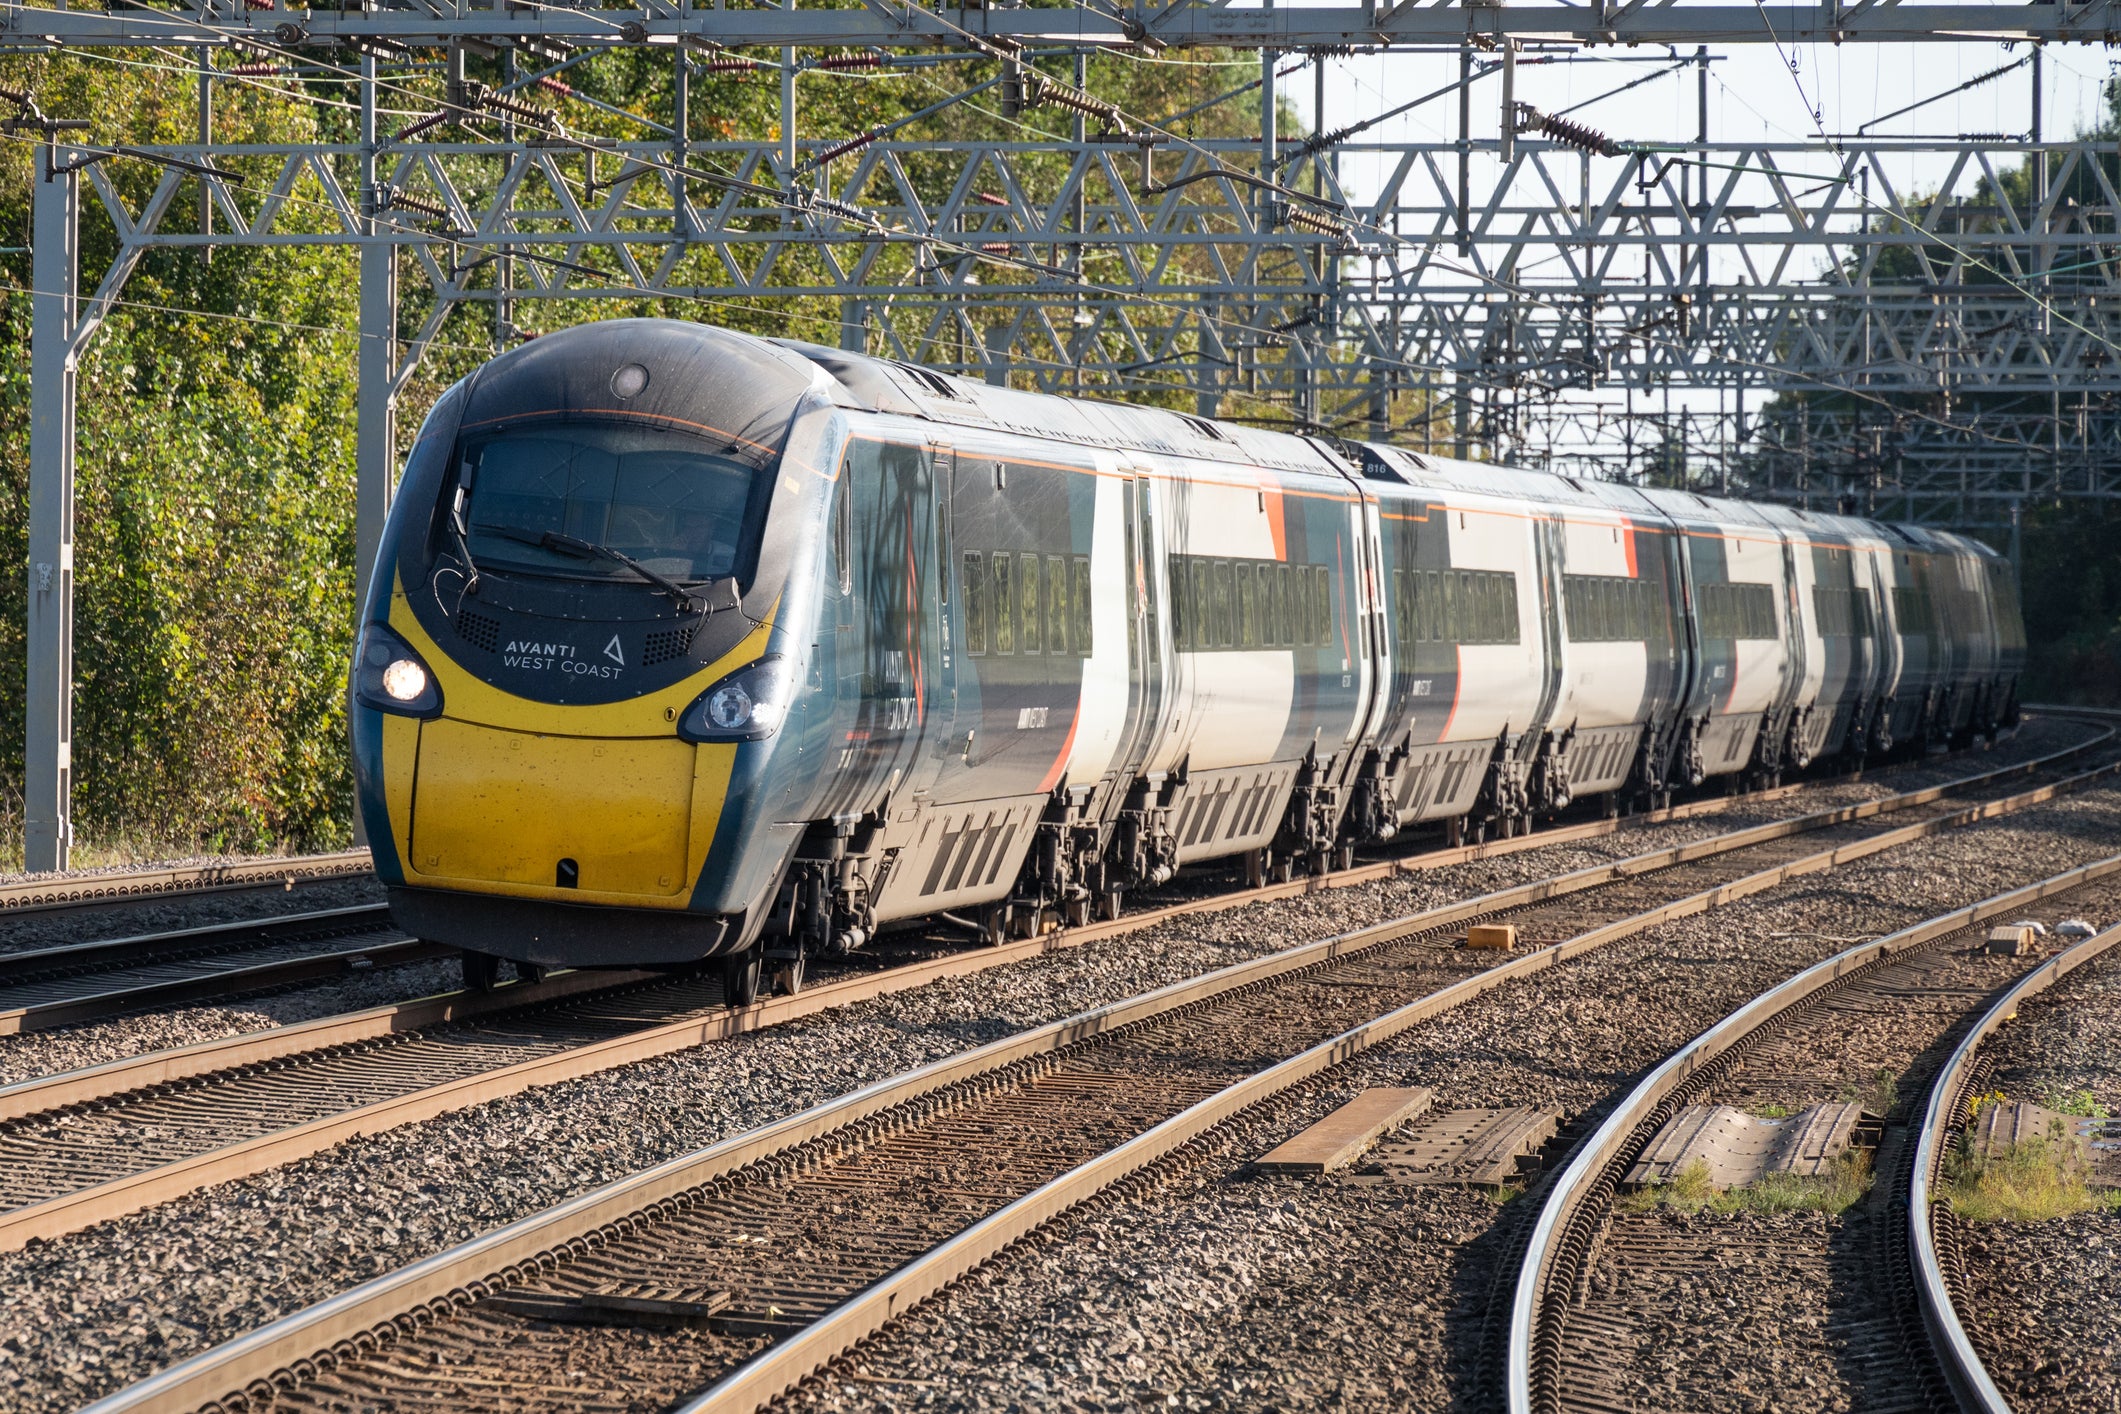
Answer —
(744, 706)
(404, 680)
(390, 677)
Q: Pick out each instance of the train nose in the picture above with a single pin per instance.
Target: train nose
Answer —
(576, 816)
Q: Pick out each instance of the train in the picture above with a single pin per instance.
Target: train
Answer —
(691, 648)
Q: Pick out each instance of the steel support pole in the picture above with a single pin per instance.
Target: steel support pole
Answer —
(48, 745)
(375, 433)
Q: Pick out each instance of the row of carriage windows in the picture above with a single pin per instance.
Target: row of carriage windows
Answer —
(1738, 611)
(1611, 608)
(1913, 610)
(1237, 604)
(1842, 613)
(1024, 604)
(1454, 606)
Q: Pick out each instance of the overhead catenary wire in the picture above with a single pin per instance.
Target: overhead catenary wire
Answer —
(1141, 296)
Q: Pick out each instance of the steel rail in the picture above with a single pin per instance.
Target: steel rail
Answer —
(1962, 1364)
(117, 1197)
(40, 892)
(1593, 1166)
(81, 981)
(278, 1043)
(350, 1321)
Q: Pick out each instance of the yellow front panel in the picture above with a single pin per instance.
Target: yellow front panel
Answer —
(504, 807)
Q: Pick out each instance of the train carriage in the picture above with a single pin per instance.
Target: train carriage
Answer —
(686, 645)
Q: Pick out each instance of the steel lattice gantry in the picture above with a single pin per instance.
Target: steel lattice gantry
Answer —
(1488, 275)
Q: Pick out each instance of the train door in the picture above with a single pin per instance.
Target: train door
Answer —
(1149, 664)
(1376, 680)
(888, 611)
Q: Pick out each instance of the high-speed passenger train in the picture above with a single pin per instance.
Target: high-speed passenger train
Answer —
(687, 644)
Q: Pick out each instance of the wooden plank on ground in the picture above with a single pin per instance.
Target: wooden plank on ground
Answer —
(1345, 1133)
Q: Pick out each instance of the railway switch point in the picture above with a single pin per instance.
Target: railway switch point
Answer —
(1338, 1139)
(1501, 937)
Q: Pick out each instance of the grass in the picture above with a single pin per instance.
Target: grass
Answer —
(2080, 1103)
(2035, 1180)
(1690, 1191)
(1773, 1111)
(1878, 1097)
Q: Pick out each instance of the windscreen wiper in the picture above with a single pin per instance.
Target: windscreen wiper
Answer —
(584, 549)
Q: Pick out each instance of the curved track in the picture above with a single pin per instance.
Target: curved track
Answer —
(818, 1229)
(1573, 1341)
(1931, 1231)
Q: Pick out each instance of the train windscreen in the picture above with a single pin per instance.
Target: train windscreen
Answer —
(558, 499)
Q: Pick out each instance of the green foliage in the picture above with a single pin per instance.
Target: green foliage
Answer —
(2032, 1181)
(216, 420)
(2082, 1104)
(1847, 1179)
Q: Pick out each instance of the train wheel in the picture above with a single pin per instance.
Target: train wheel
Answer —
(1284, 870)
(532, 972)
(1112, 901)
(1344, 857)
(1078, 911)
(994, 925)
(482, 971)
(1256, 861)
(740, 978)
(788, 977)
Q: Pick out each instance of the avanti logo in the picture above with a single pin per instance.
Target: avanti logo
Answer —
(615, 653)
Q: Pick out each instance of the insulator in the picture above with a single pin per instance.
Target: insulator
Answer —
(853, 144)
(725, 66)
(521, 112)
(988, 198)
(1077, 101)
(851, 61)
(1305, 220)
(256, 71)
(553, 85)
(1570, 134)
(418, 205)
(995, 247)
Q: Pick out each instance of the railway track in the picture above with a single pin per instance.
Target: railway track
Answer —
(1933, 1235)
(98, 1143)
(66, 985)
(40, 893)
(77, 982)
(1595, 1318)
(82, 981)
(750, 1264)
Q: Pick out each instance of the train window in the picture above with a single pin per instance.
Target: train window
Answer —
(1244, 596)
(975, 604)
(1203, 627)
(1028, 638)
(1222, 589)
(1284, 607)
(1003, 566)
(1453, 626)
(1322, 603)
(1181, 606)
(1079, 605)
(1057, 615)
